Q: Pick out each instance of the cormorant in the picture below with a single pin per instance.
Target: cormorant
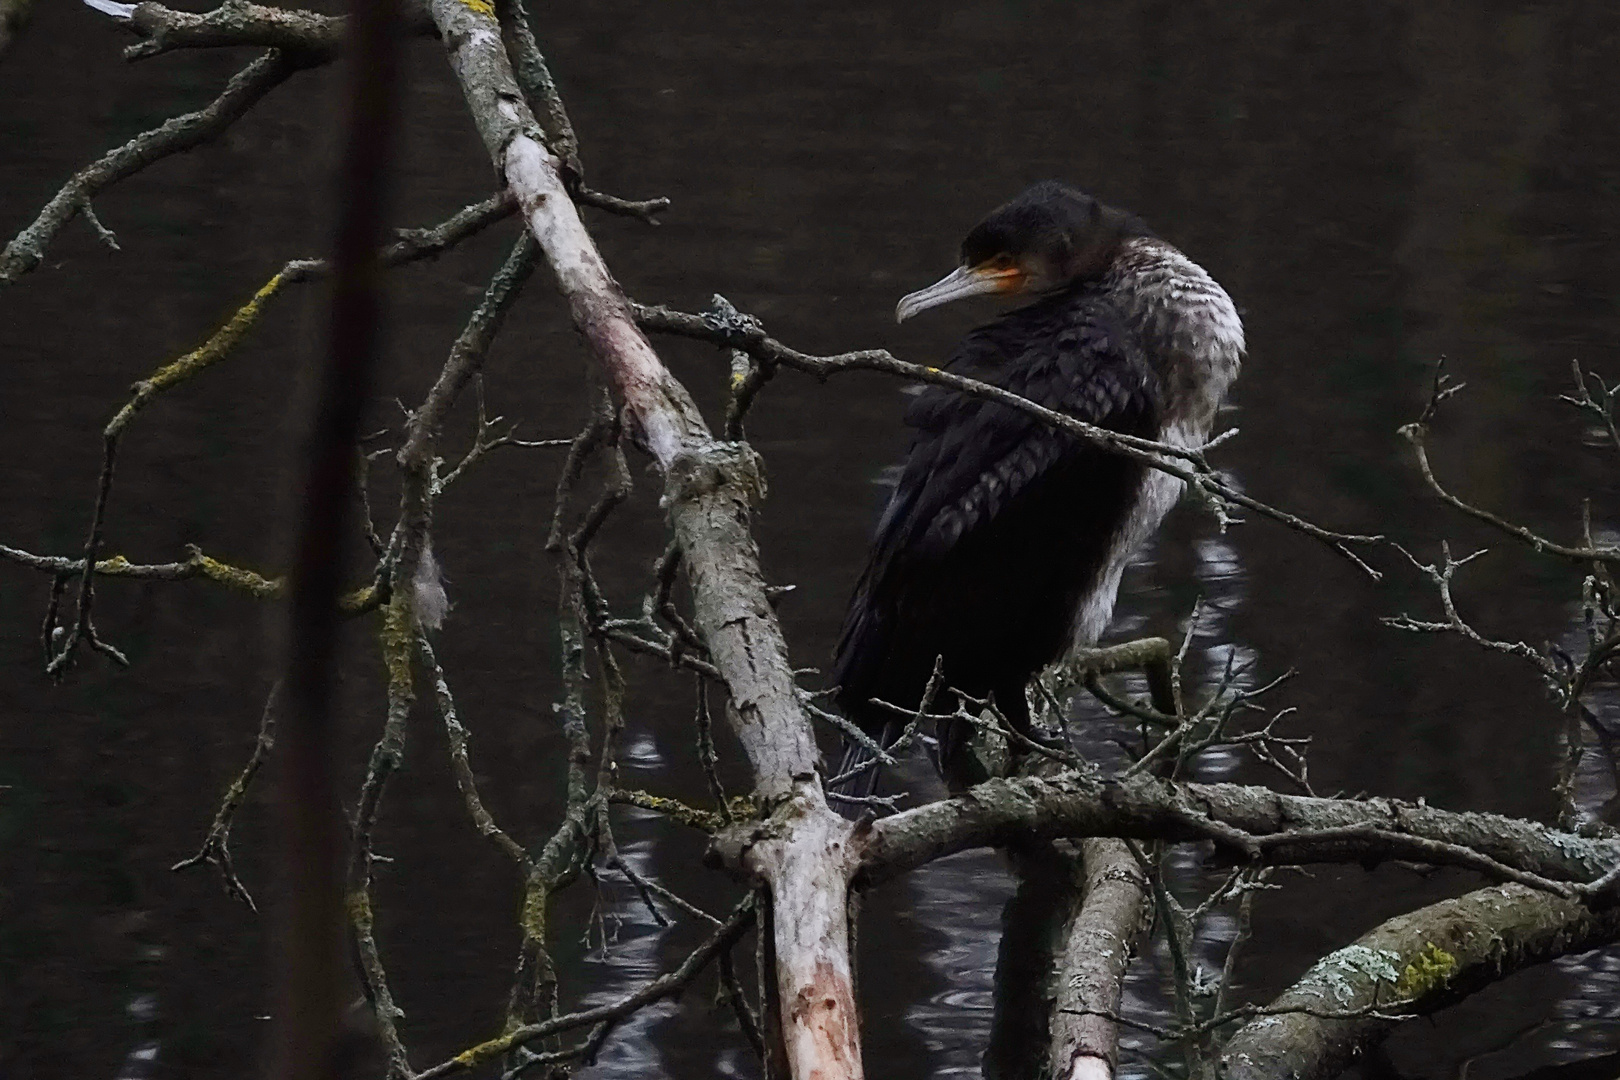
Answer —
(1003, 542)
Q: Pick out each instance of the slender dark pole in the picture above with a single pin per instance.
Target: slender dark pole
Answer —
(309, 957)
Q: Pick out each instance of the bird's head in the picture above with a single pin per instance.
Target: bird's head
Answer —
(1049, 236)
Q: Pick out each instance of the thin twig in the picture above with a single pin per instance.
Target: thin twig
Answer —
(745, 333)
(747, 1018)
(216, 846)
(671, 982)
(706, 754)
(1417, 434)
(245, 89)
(196, 565)
(1441, 577)
(466, 782)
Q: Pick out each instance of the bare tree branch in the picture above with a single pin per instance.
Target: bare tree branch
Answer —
(246, 87)
(1418, 962)
(1097, 950)
(672, 982)
(397, 639)
(1417, 433)
(216, 846)
(466, 783)
(1114, 910)
(745, 333)
(196, 565)
(1257, 823)
(1441, 576)
(308, 37)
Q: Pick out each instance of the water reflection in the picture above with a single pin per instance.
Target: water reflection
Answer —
(627, 951)
(627, 955)
(1215, 655)
(961, 899)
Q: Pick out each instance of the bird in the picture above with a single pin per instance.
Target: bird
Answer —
(1004, 538)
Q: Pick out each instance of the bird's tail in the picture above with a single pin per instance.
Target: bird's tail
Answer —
(858, 772)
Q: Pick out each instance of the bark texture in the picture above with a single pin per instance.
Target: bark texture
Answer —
(1255, 822)
(1097, 950)
(1413, 964)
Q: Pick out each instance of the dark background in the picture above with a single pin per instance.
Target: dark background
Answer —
(1376, 184)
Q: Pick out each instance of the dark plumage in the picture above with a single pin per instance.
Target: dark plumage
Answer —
(1003, 539)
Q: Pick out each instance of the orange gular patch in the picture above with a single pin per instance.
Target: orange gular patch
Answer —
(1003, 277)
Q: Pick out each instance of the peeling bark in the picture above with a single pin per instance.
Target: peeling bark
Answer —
(809, 872)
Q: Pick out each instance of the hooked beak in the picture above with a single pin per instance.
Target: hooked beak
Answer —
(961, 282)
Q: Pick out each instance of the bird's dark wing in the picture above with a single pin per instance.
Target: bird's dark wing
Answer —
(971, 459)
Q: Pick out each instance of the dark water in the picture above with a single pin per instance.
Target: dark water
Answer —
(1375, 183)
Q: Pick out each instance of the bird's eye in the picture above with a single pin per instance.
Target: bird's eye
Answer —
(1000, 262)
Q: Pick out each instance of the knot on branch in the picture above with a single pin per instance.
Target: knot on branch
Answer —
(716, 467)
(735, 326)
(1128, 875)
(153, 23)
(140, 392)
(800, 826)
(728, 849)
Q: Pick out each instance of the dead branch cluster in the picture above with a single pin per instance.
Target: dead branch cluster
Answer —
(1104, 839)
(1569, 674)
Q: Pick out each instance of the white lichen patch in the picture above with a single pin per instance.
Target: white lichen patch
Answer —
(1580, 847)
(1333, 974)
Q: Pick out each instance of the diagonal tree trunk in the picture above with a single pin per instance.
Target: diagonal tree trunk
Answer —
(803, 855)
